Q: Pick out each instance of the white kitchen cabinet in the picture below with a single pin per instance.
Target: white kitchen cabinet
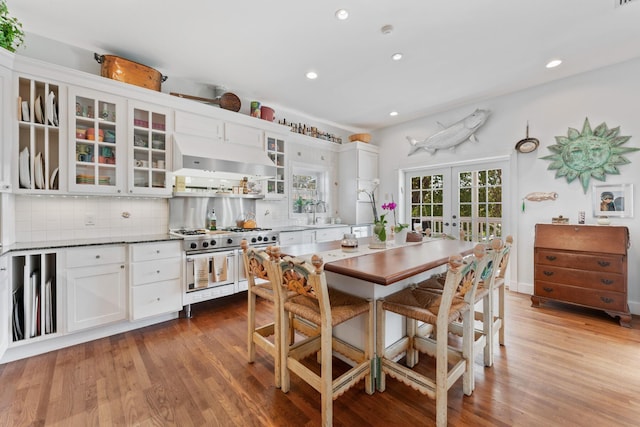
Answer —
(358, 170)
(6, 119)
(98, 151)
(5, 305)
(236, 133)
(149, 150)
(330, 234)
(40, 140)
(156, 284)
(96, 286)
(199, 125)
(296, 237)
(276, 187)
(33, 301)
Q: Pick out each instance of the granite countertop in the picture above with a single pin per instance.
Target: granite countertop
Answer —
(70, 243)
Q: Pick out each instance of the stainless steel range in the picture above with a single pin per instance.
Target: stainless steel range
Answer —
(214, 266)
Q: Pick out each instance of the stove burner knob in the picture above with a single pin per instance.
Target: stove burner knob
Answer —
(213, 243)
(274, 238)
(193, 245)
(229, 241)
(253, 239)
(205, 244)
(260, 239)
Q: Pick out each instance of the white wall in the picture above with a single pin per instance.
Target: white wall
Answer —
(609, 95)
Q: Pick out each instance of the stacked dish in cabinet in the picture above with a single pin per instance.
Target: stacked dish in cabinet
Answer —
(38, 135)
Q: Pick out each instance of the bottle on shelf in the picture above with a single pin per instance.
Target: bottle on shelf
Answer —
(211, 220)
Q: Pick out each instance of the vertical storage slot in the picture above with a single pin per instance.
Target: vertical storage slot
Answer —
(34, 293)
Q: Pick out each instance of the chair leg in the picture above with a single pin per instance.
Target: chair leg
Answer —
(283, 353)
(412, 356)
(501, 293)
(488, 328)
(442, 369)
(326, 376)
(369, 351)
(468, 341)
(380, 344)
(251, 326)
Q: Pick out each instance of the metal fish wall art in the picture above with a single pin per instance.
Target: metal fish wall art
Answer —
(451, 136)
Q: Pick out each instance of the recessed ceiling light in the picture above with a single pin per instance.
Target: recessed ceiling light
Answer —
(554, 63)
(396, 56)
(393, 113)
(312, 75)
(342, 14)
(386, 29)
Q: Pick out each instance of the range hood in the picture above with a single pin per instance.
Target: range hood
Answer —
(204, 157)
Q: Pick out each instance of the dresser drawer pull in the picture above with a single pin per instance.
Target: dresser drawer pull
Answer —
(548, 289)
(547, 273)
(606, 300)
(550, 257)
(606, 281)
(604, 263)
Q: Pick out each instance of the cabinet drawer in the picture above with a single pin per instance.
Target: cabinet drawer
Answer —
(151, 251)
(593, 262)
(581, 278)
(155, 271)
(95, 255)
(596, 298)
(156, 298)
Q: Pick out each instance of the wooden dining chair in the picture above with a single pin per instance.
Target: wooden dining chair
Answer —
(258, 285)
(326, 307)
(487, 293)
(440, 310)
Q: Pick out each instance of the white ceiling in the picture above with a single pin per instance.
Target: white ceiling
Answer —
(455, 52)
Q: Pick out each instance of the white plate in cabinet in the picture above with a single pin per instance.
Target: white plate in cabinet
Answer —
(155, 271)
(148, 252)
(156, 298)
(95, 255)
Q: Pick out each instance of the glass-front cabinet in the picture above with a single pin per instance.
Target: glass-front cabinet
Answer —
(149, 150)
(97, 156)
(275, 151)
(39, 140)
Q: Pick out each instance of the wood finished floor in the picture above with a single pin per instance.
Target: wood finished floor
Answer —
(561, 366)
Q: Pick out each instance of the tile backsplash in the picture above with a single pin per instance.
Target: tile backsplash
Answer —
(47, 218)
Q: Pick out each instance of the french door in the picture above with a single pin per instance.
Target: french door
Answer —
(468, 200)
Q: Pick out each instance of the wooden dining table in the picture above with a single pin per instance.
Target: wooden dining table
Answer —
(374, 274)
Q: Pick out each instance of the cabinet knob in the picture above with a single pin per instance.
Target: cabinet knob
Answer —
(158, 251)
(606, 300)
(606, 281)
(547, 289)
(158, 271)
(548, 273)
(550, 257)
(122, 266)
(3, 269)
(97, 256)
(604, 263)
(158, 299)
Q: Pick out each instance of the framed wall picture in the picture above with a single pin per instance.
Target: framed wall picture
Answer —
(614, 200)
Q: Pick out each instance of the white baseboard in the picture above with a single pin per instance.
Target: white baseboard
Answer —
(18, 351)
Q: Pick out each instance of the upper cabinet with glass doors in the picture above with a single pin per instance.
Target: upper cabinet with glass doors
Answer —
(149, 150)
(97, 156)
(39, 139)
(275, 151)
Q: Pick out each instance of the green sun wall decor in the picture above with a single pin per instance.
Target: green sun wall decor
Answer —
(590, 153)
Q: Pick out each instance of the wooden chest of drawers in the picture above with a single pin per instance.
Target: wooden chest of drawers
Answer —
(584, 265)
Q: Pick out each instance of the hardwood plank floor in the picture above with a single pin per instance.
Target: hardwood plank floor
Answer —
(562, 366)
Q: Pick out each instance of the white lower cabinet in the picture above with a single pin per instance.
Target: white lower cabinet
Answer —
(331, 234)
(5, 320)
(156, 286)
(96, 286)
(296, 237)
